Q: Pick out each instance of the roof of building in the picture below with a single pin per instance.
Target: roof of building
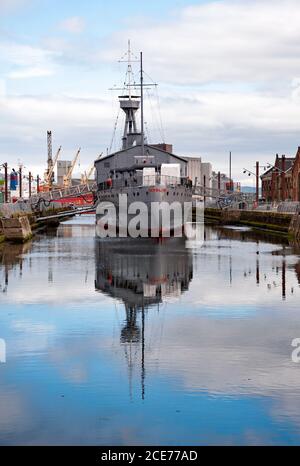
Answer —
(289, 162)
(297, 156)
(146, 145)
(192, 157)
(266, 173)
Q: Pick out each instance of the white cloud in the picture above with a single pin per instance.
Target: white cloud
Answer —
(208, 124)
(232, 73)
(23, 55)
(75, 122)
(221, 41)
(25, 61)
(228, 73)
(74, 25)
(7, 5)
(2, 88)
(34, 72)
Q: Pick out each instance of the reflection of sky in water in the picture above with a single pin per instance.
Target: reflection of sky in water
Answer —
(207, 361)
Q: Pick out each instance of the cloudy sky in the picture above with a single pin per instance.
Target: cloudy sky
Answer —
(228, 74)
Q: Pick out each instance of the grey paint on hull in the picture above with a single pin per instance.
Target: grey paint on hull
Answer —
(147, 195)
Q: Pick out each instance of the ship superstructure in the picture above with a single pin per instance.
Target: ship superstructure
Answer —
(144, 172)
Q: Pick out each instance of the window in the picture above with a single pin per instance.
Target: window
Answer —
(106, 164)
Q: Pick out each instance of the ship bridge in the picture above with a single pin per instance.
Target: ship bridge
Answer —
(131, 136)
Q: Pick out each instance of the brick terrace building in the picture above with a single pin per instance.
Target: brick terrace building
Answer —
(278, 183)
(296, 177)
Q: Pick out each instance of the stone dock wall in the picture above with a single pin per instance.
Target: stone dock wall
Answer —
(277, 222)
(16, 229)
(294, 229)
(17, 221)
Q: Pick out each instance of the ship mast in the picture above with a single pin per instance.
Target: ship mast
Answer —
(130, 103)
(142, 104)
(129, 69)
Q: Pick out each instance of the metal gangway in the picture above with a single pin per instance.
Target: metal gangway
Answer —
(224, 199)
(62, 193)
(221, 198)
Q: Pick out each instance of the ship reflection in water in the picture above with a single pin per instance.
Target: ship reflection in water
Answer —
(141, 273)
(129, 342)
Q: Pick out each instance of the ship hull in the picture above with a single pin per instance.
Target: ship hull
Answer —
(145, 211)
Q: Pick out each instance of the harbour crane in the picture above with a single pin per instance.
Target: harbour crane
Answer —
(68, 176)
(49, 173)
(87, 174)
(49, 147)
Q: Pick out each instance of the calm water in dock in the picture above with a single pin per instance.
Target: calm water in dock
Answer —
(135, 342)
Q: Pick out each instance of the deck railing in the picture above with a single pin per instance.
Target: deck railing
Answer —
(140, 180)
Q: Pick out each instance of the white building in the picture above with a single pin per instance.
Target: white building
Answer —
(63, 167)
(194, 169)
(199, 172)
(206, 174)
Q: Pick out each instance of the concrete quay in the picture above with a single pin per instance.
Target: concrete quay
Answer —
(18, 221)
(280, 223)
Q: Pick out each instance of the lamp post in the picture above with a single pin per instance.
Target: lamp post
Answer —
(6, 182)
(20, 181)
(5, 166)
(256, 174)
(230, 172)
(257, 182)
(29, 183)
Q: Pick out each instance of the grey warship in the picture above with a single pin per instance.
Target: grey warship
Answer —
(142, 172)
